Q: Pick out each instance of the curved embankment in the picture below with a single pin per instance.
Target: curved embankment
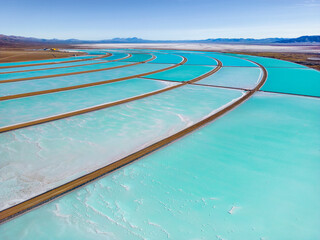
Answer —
(49, 195)
(102, 106)
(49, 63)
(89, 84)
(75, 73)
(78, 65)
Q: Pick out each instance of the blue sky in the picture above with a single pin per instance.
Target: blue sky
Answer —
(159, 19)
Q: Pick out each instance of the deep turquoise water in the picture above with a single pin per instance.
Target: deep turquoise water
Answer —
(293, 80)
(117, 56)
(138, 57)
(272, 62)
(199, 59)
(38, 158)
(252, 174)
(231, 61)
(93, 52)
(166, 58)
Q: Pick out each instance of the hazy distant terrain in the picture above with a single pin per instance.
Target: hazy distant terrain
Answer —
(304, 40)
(212, 47)
(303, 50)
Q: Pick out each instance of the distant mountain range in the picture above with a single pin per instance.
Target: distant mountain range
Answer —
(19, 41)
(303, 39)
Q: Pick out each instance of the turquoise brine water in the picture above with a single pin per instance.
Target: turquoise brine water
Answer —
(252, 174)
(38, 158)
(45, 72)
(31, 108)
(138, 57)
(181, 73)
(237, 77)
(293, 80)
(231, 61)
(272, 62)
(72, 80)
(115, 56)
(199, 59)
(56, 65)
(46, 61)
(166, 58)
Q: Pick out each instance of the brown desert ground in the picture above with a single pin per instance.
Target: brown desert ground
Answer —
(27, 54)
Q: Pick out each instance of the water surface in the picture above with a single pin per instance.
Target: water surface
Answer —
(182, 73)
(252, 174)
(72, 80)
(237, 77)
(36, 107)
(38, 158)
